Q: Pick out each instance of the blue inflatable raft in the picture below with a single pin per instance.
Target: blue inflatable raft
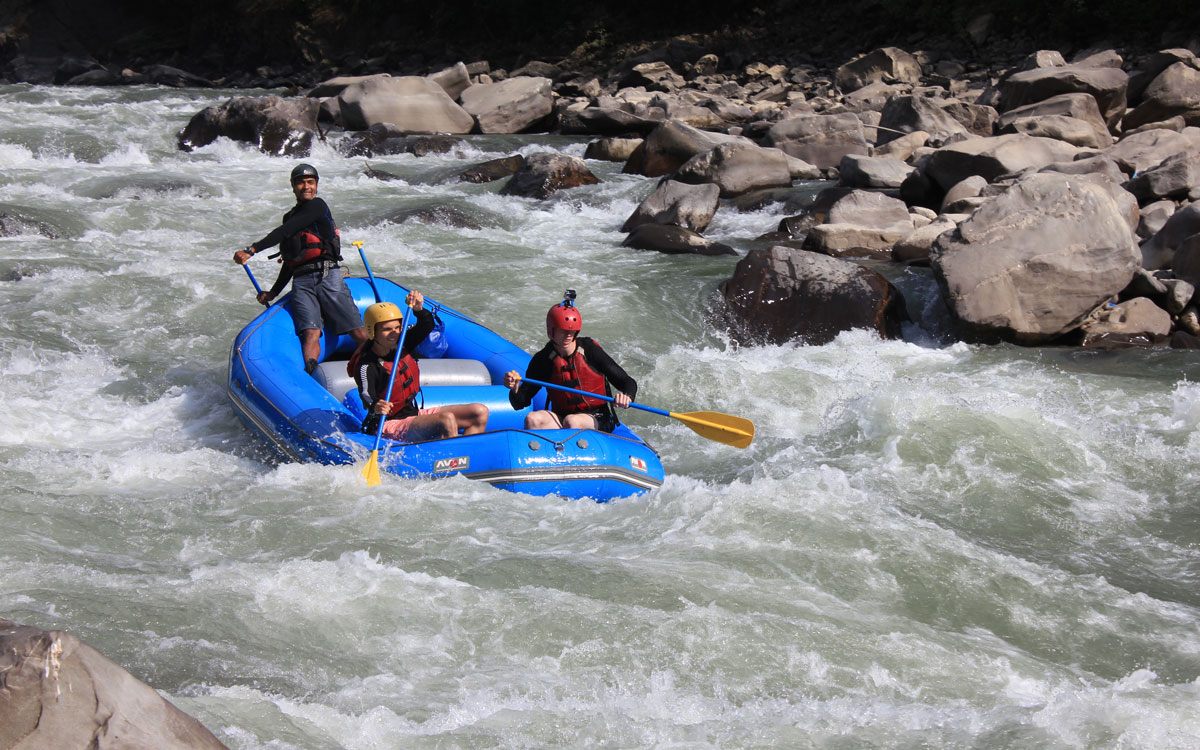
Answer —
(318, 417)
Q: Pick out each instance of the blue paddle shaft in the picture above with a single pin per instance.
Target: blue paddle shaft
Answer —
(600, 396)
(392, 377)
(253, 280)
(370, 276)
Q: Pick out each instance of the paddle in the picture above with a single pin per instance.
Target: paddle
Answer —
(714, 425)
(253, 280)
(370, 276)
(371, 471)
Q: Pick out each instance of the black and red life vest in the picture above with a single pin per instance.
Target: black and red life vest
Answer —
(575, 372)
(406, 386)
(310, 245)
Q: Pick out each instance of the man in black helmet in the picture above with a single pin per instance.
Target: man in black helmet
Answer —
(310, 248)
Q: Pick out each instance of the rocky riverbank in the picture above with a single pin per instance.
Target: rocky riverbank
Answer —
(1053, 199)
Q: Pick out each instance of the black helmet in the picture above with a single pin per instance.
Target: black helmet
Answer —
(304, 170)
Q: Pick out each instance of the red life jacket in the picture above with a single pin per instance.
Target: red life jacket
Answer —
(575, 372)
(313, 247)
(406, 385)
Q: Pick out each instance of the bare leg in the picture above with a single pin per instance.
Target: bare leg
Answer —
(580, 422)
(471, 418)
(542, 420)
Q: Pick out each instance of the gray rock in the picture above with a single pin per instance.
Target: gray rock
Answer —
(858, 171)
(1180, 293)
(916, 245)
(737, 168)
(670, 145)
(1079, 106)
(1186, 261)
(1175, 91)
(674, 240)
(886, 64)
(971, 187)
(1159, 251)
(453, 80)
(679, 204)
(1154, 218)
(493, 169)
(61, 694)
(413, 104)
(1141, 151)
(1177, 177)
(1031, 263)
(1107, 85)
(1137, 321)
(611, 149)
(821, 140)
(781, 294)
(902, 147)
(282, 127)
(544, 174)
(993, 157)
(515, 105)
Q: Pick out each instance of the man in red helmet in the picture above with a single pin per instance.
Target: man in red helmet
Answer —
(576, 362)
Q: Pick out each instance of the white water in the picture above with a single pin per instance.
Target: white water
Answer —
(928, 545)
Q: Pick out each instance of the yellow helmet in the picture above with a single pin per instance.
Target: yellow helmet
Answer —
(380, 312)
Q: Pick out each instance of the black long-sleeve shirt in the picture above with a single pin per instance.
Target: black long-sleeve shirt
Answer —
(371, 375)
(303, 215)
(541, 367)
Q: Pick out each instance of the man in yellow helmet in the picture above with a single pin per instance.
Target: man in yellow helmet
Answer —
(371, 368)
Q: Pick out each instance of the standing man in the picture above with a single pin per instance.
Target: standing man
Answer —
(576, 362)
(311, 247)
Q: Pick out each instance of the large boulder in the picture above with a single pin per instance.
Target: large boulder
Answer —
(606, 120)
(58, 693)
(1175, 91)
(670, 145)
(993, 157)
(862, 223)
(874, 172)
(385, 139)
(888, 64)
(737, 168)
(1159, 251)
(1138, 152)
(1032, 262)
(1081, 107)
(510, 106)
(1137, 322)
(282, 127)
(780, 294)
(414, 104)
(544, 174)
(678, 204)
(911, 114)
(612, 149)
(453, 80)
(1177, 177)
(1107, 85)
(821, 140)
(674, 240)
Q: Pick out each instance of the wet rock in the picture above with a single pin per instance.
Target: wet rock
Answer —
(670, 145)
(385, 139)
(782, 294)
(544, 174)
(61, 693)
(606, 121)
(516, 105)
(442, 214)
(1032, 262)
(493, 169)
(282, 127)
(612, 149)
(674, 240)
(165, 75)
(1136, 322)
(678, 204)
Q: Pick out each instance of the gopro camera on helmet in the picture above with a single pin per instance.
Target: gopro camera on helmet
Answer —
(569, 298)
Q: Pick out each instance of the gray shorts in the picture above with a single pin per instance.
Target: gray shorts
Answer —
(320, 301)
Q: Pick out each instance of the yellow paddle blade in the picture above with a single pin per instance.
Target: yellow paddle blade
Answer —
(723, 428)
(371, 471)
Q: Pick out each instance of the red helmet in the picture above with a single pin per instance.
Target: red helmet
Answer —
(566, 318)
